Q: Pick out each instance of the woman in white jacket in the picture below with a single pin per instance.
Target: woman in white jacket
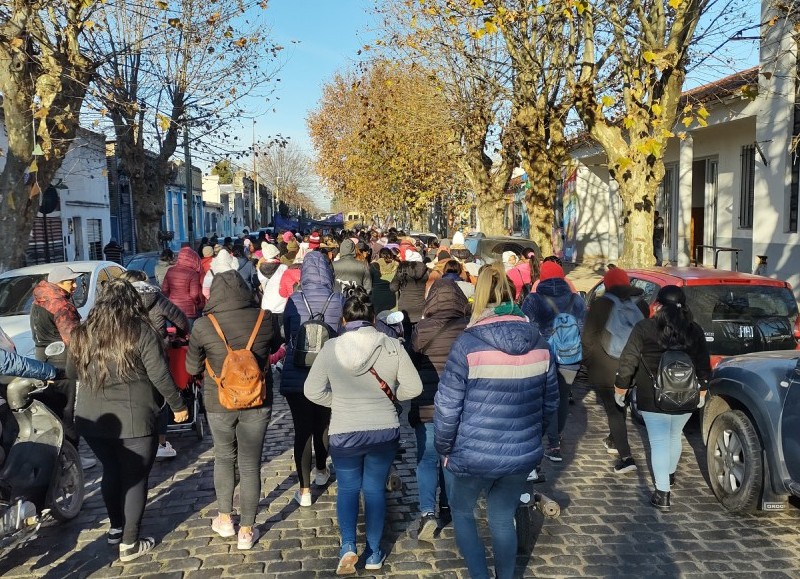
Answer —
(361, 375)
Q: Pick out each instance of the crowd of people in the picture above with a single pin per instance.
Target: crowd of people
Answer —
(486, 353)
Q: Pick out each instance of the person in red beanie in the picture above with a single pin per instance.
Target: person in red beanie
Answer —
(314, 240)
(601, 368)
(554, 296)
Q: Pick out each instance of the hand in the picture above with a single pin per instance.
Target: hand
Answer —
(619, 398)
(444, 461)
(181, 415)
(702, 401)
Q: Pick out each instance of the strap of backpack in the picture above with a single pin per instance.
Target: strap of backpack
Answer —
(215, 323)
(255, 330)
(325, 309)
(308, 307)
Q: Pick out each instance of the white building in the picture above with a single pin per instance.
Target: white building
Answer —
(732, 184)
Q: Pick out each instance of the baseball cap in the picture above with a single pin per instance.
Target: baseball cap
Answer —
(62, 273)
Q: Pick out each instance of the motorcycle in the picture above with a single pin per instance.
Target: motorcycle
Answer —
(40, 471)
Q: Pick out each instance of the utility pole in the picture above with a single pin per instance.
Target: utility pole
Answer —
(187, 161)
(256, 192)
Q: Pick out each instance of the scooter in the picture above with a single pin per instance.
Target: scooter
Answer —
(41, 475)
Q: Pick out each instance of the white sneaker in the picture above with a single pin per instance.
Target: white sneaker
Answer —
(87, 462)
(533, 476)
(303, 499)
(166, 451)
(321, 477)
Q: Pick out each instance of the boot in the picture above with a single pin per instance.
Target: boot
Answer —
(660, 500)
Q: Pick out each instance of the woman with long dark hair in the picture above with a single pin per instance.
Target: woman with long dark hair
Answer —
(359, 375)
(671, 328)
(118, 356)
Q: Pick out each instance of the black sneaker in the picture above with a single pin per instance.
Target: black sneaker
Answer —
(625, 465)
(445, 517)
(427, 527)
(554, 454)
(139, 548)
(608, 444)
(660, 500)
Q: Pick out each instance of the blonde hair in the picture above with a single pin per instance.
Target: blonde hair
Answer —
(492, 289)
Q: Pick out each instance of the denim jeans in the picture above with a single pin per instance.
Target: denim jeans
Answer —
(239, 437)
(362, 472)
(429, 470)
(502, 499)
(664, 432)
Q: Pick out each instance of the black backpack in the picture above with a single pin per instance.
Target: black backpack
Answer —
(311, 336)
(675, 387)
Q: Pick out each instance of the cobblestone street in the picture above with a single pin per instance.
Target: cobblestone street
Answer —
(606, 528)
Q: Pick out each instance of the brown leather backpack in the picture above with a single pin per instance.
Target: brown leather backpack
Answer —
(241, 383)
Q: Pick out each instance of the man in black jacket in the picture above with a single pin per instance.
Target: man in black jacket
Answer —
(349, 270)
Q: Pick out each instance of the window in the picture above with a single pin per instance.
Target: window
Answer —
(748, 186)
(664, 200)
(649, 288)
(94, 236)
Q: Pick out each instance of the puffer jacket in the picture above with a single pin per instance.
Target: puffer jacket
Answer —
(642, 346)
(160, 310)
(499, 382)
(383, 298)
(53, 316)
(127, 407)
(550, 293)
(12, 364)
(600, 368)
(317, 284)
(247, 270)
(444, 319)
(349, 270)
(519, 276)
(231, 302)
(409, 281)
(182, 283)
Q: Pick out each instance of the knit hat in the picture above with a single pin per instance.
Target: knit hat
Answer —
(412, 255)
(458, 238)
(549, 270)
(269, 251)
(616, 276)
(208, 251)
(224, 262)
(287, 236)
(313, 240)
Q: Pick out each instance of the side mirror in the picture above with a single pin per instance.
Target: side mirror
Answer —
(20, 390)
(55, 349)
(395, 318)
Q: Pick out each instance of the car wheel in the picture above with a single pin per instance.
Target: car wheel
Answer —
(734, 460)
(636, 414)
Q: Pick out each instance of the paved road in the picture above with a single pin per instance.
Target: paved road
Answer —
(607, 528)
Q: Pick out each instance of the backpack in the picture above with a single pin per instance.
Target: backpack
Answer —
(624, 315)
(241, 383)
(675, 387)
(565, 335)
(311, 336)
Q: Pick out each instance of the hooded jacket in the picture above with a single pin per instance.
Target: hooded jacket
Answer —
(247, 270)
(272, 300)
(519, 275)
(553, 293)
(410, 281)
(160, 310)
(499, 382)
(349, 270)
(223, 261)
(340, 379)
(317, 284)
(601, 369)
(161, 269)
(443, 320)
(182, 283)
(231, 302)
(53, 316)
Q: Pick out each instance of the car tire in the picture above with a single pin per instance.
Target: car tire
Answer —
(735, 464)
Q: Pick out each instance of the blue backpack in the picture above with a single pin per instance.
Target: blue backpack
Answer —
(564, 336)
(623, 316)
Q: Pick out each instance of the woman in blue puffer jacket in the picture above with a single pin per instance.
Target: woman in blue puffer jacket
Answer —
(310, 420)
(498, 383)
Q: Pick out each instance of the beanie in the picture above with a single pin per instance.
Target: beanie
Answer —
(208, 251)
(549, 270)
(287, 237)
(616, 276)
(269, 251)
(313, 240)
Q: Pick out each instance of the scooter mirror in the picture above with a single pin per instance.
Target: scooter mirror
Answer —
(19, 391)
(55, 349)
(395, 318)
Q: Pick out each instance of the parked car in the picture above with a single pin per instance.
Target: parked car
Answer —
(145, 262)
(16, 295)
(739, 313)
(490, 249)
(751, 427)
(425, 238)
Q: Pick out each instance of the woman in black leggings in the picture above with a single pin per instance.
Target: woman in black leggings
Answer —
(124, 378)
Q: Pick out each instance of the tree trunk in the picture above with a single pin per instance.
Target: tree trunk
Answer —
(637, 196)
(490, 214)
(539, 200)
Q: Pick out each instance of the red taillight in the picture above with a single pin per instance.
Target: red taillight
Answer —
(797, 328)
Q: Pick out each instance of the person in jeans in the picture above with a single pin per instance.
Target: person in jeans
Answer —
(445, 316)
(601, 369)
(499, 383)
(124, 378)
(238, 434)
(552, 297)
(358, 375)
(671, 328)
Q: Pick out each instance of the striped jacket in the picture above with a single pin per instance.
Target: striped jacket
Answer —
(498, 383)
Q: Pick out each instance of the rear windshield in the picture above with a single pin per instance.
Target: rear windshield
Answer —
(744, 318)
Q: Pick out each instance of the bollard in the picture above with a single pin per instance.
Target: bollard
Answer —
(547, 506)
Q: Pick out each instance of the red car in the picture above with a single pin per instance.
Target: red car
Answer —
(739, 312)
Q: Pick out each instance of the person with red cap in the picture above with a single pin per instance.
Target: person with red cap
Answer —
(553, 296)
(601, 368)
(314, 240)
